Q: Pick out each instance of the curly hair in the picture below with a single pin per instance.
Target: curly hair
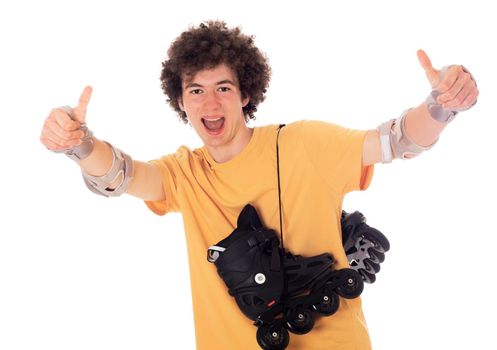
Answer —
(207, 46)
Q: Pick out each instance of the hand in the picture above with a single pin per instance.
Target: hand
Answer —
(61, 131)
(458, 90)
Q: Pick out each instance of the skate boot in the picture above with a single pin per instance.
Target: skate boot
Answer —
(279, 291)
(249, 262)
(365, 246)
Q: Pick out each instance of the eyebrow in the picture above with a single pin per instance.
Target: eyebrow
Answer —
(225, 81)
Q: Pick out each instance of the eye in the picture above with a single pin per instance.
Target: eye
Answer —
(195, 91)
(224, 89)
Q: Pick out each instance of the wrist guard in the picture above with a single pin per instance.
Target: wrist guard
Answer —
(436, 110)
(83, 150)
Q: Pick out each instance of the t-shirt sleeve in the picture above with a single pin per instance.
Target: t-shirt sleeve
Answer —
(336, 153)
(169, 169)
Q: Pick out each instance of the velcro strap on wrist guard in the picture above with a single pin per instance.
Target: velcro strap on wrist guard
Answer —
(436, 110)
(122, 168)
(395, 144)
(83, 150)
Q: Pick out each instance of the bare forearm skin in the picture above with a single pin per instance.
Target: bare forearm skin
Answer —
(421, 127)
(99, 161)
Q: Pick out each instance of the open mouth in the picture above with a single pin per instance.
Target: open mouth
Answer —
(214, 126)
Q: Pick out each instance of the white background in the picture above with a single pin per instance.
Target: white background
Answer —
(78, 271)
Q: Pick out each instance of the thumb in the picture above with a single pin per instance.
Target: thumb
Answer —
(80, 109)
(432, 74)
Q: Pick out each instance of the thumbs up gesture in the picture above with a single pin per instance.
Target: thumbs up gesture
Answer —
(79, 112)
(457, 90)
(62, 128)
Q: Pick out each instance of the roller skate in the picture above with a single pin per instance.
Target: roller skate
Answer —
(365, 246)
(279, 291)
(312, 287)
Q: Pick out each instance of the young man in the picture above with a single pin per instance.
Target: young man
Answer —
(214, 78)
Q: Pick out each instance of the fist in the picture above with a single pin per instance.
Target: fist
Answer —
(61, 129)
(457, 88)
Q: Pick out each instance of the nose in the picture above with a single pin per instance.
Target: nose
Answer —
(211, 101)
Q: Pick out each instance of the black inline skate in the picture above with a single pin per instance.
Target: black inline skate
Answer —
(365, 246)
(279, 291)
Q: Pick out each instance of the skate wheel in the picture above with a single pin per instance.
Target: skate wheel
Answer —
(301, 322)
(380, 241)
(329, 303)
(371, 266)
(376, 256)
(270, 338)
(367, 277)
(352, 286)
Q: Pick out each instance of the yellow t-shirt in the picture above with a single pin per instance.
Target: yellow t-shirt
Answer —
(319, 163)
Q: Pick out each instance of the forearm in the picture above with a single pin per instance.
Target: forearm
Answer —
(405, 137)
(421, 128)
(99, 161)
(106, 169)
(453, 90)
(146, 180)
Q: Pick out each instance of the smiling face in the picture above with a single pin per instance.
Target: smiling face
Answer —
(212, 101)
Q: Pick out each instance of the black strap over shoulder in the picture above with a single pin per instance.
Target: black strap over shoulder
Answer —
(279, 186)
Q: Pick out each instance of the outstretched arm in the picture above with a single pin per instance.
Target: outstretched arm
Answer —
(457, 91)
(63, 131)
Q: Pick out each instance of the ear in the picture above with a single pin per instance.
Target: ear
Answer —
(245, 101)
(248, 218)
(180, 103)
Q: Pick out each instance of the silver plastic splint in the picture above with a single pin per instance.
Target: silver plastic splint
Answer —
(122, 168)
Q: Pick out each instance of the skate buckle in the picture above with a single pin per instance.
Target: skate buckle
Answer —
(213, 253)
(258, 322)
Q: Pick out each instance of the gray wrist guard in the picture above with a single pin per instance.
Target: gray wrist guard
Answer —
(122, 168)
(83, 150)
(436, 110)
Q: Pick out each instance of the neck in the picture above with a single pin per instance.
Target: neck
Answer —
(225, 153)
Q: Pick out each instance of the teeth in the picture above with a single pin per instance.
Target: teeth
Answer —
(213, 120)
